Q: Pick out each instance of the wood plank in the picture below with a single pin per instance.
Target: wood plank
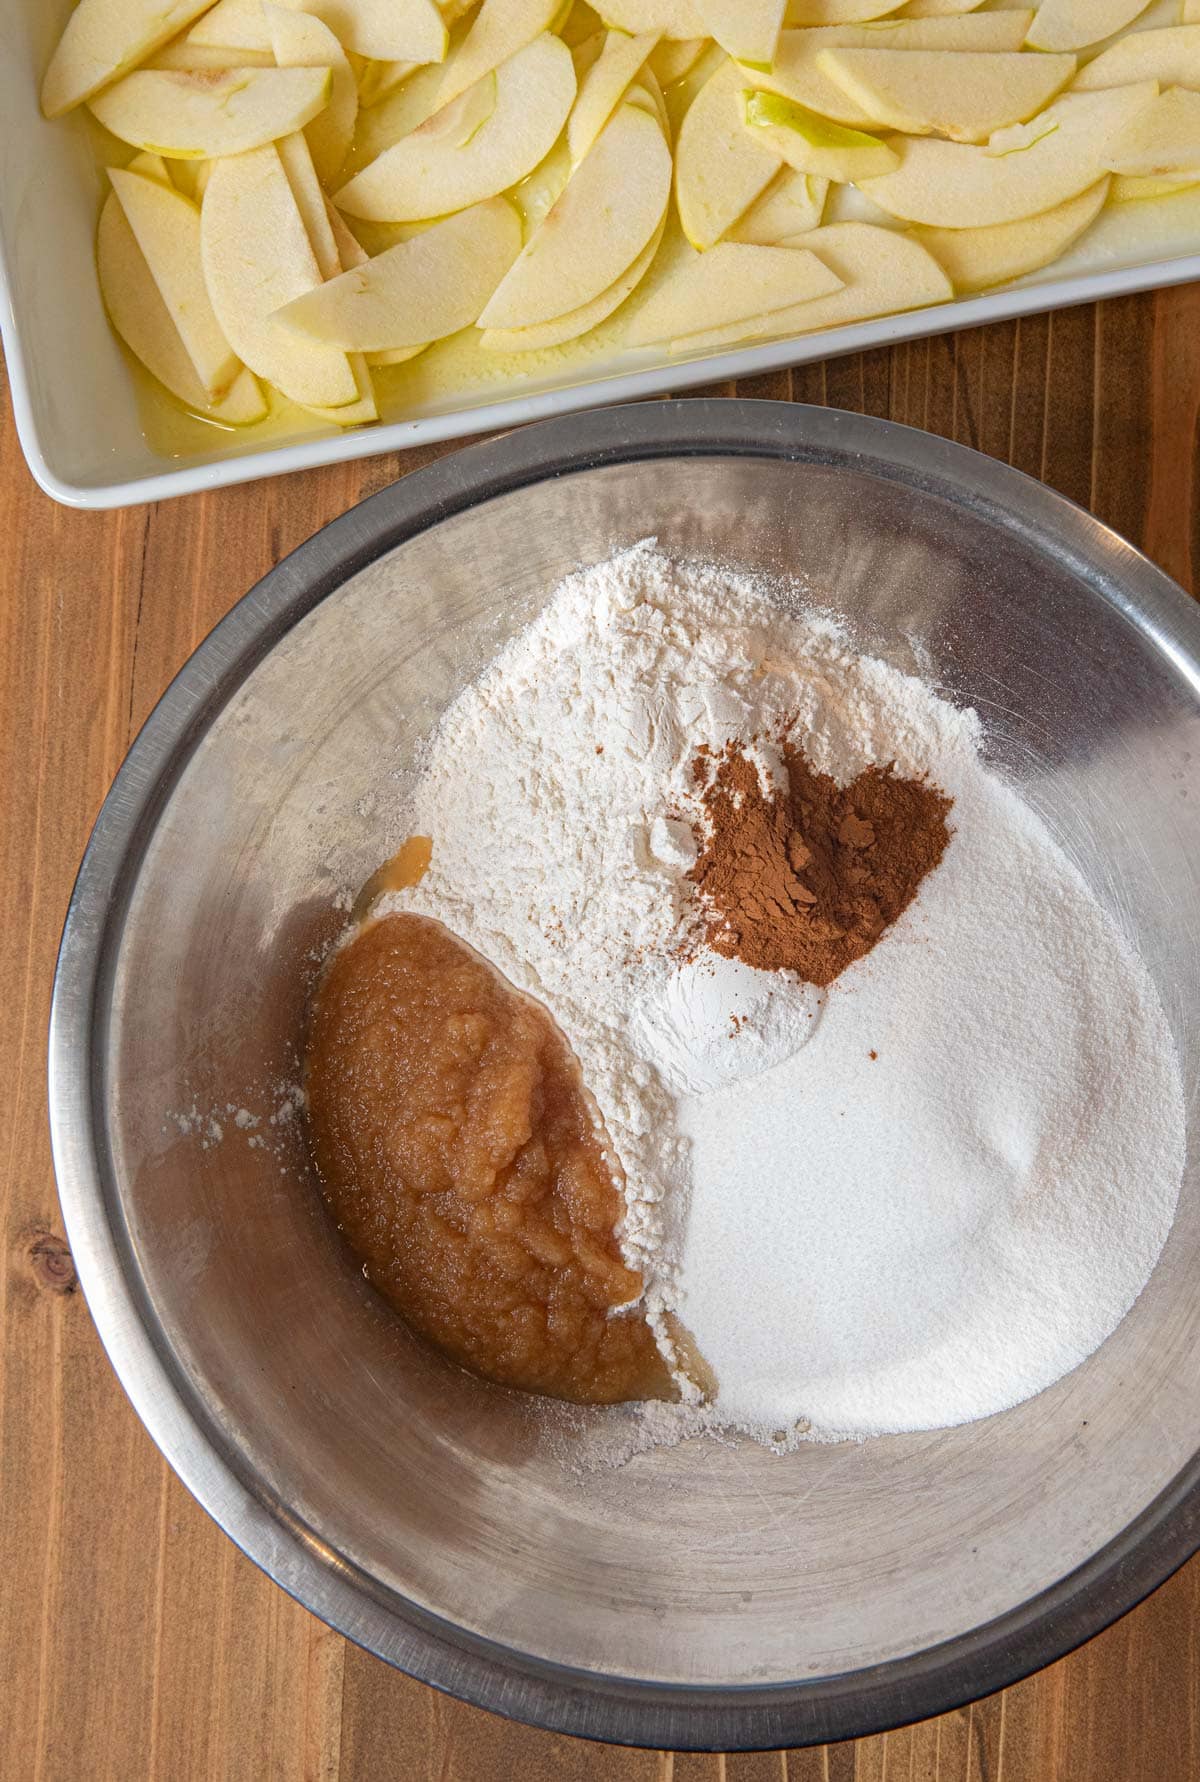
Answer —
(136, 1641)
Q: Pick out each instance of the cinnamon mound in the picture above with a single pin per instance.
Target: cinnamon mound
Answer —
(807, 879)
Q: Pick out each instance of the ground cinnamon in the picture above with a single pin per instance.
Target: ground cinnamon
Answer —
(806, 878)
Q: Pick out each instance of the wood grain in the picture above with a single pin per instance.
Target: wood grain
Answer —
(135, 1641)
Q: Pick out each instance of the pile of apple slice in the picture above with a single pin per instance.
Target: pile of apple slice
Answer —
(321, 188)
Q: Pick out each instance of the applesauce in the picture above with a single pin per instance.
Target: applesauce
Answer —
(467, 1168)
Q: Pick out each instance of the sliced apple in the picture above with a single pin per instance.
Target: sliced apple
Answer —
(720, 169)
(814, 144)
(797, 74)
(603, 87)
(676, 57)
(647, 93)
(351, 253)
(234, 24)
(198, 116)
(150, 167)
(679, 19)
(939, 9)
(434, 170)
(610, 207)
(136, 310)
(500, 28)
(791, 205)
(963, 94)
(1137, 234)
(420, 290)
(257, 257)
(1164, 137)
(1131, 188)
(104, 39)
(882, 272)
(747, 29)
(299, 40)
(1074, 24)
(387, 29)
(311, 202)
(350, 250)
(955, 185)
(728, 283)
(398, 115)
(838, 12)
(1171, 57)
(378, 80)
(543, 335)
(183, 52)
(977, 258)
(166, 227)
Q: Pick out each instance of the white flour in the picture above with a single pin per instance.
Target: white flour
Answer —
(866, 1244)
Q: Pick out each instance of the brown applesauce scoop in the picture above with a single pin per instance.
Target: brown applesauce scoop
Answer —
(467, 1167)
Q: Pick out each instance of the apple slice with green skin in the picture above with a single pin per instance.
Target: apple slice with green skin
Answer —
(797, 74)
(1162, 138)
(1171, 57)
(747, 29)
(962, 94)
(882, 272)
(421, 290)
(301, 41)
(676, 57)
(679, 19)
(500, 28)
(257, 257)
(731, 281)
(838, 12)
(136, 310)
(610, 207)
(576, 322)
(1131, 188)
(166, 227)
(813, 144)
(957, 185)
(791, 205)
(1074, 24)
(720, 169)
(433, 170)
(202, 116)
(978, 258)
(603, 87)
(103, 39)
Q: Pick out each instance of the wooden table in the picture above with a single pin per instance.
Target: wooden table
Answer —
(135, 1641)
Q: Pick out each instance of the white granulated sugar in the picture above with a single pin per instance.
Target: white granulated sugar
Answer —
(867, 1244)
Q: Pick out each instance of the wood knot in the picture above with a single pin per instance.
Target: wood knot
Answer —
(51, 1263)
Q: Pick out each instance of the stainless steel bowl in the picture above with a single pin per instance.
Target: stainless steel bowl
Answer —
(703, 1596)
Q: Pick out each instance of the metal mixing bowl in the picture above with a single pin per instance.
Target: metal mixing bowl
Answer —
(702, 1596)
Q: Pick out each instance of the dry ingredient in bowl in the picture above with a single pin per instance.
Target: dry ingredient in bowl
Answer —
(897, 1110)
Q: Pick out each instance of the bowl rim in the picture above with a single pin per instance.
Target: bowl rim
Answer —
(481, 1671)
